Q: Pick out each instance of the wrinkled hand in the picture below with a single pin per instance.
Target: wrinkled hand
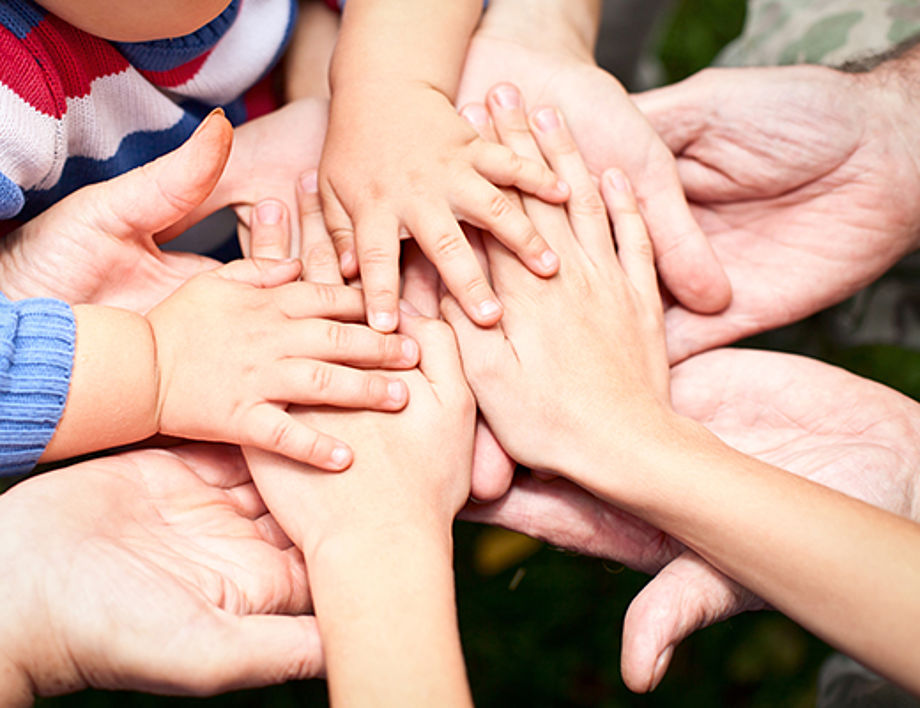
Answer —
(812, 419)
(806, 181)
(610, 132)
(398, 157)
(98, 245)
(153, 570)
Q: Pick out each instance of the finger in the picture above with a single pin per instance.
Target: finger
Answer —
(689, 333)
(260, 273)
(686, 595)
(271, 532)
(443, 242)
(420, 281)
(440, 358)
(477, 115)
(312, 383)
(493, 468)
(270, 231)
(352, 344)
(679, 112)
(341, 230)
(271, 428)
(306, 300)
(154, 196)
(479, 346)
(320, 260)
(236, 652)
(486, 207)
(586, 210)
(377, 240)
(504, 167)
(634, 247)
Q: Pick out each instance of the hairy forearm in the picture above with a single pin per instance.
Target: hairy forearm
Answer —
(113, 388)
(384, 600)
(372, 46)
(834, 564)
(551, 25)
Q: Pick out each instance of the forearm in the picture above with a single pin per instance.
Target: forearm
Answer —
(550, 25)
(841, 568)
(384, 601)
(113, 388)
(306, 62)
(408, 40)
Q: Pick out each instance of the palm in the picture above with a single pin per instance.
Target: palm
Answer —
(158, 556)
(611, 132)
(792, 179)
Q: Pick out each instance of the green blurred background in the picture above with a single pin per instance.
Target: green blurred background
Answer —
(542, 627)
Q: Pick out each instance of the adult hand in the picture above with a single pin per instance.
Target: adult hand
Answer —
(154, 570)
(609, 131)
(98, 245)
(812, 419)
(805, 179)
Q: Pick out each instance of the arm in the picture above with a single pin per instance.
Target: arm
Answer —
(377, 540)
(771, 531)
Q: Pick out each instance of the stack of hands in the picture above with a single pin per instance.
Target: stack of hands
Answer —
(550, 324)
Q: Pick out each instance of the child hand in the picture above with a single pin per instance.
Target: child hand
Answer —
(235, 345)
(419, 167)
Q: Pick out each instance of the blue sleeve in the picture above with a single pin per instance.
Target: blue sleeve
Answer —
(11, 198)
(37, 339)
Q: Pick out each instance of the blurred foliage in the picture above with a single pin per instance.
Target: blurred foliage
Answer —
(694, 34)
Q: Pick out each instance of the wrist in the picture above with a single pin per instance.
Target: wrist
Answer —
(552, 26)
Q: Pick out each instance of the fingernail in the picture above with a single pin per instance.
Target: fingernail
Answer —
(409, 349)
(476, 114)
(660, 667)
(384, 321)
(347, 260)
(549, 260)
(563, 187)
(207, 119)
(309, 182)
(487, 308)
(546, 119)
(340, 456)
(396, 390)
(617, 180)
(269, 213)
(507, 97)
(408, 308)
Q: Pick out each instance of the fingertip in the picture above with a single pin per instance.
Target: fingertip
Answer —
(477, 115)
(309, 182)
(382, 320)
(661, 667)
(348, 264)
(487, 312)
(340, 458)
(548, 263)
(398, 394)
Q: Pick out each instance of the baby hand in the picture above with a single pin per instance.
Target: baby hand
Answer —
(235, 345)
(418, 167)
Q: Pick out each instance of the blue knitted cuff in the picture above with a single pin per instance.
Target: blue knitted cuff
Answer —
(37, 339)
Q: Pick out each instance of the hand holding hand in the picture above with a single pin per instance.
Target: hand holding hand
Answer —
(804, 178)
(235, 345)
(419, 167)
(153, 570)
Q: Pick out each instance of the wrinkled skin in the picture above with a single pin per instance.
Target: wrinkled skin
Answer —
(812, 419)
(805, 180)
(156, 570)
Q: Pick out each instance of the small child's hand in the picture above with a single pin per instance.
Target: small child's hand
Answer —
(235, 345)
(399, 157)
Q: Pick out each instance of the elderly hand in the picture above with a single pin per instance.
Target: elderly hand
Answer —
(154, 570)
(805, 179)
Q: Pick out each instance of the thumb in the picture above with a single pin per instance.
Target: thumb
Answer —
(155, 196)
(261, 272)
(686, 595)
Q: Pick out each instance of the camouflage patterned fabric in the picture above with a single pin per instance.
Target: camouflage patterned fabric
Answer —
(820, 31)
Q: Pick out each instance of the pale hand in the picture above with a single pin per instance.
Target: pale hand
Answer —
(153, 570)
(806, 181)
(807, 417)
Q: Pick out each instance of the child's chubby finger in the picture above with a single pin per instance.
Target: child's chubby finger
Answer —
(506, 107)
(502, 166)
(352, 344)
(308, 382)
(634, 247)
(317, 251)
(440, 357)
(445, 245)
(302, 300)
(420, 280)
(341, 230)
(270, 230)
(486, 207)
(260, 272)
(272, 428)
(377, 241)
(477, 345)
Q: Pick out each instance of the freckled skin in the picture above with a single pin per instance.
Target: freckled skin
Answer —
(136, 22)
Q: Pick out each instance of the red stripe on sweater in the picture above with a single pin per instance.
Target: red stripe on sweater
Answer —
(20, 71)
(178, 75)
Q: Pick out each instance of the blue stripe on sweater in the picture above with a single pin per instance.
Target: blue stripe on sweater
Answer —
(20, 16)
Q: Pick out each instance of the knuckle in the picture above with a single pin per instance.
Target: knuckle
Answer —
(342, 235)
(339, 336)
(375, 389)
(326, 295)
(320, 257)
(375, 256)
(500, 207)
(588, 204)
(321, 379)
(448, 246)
